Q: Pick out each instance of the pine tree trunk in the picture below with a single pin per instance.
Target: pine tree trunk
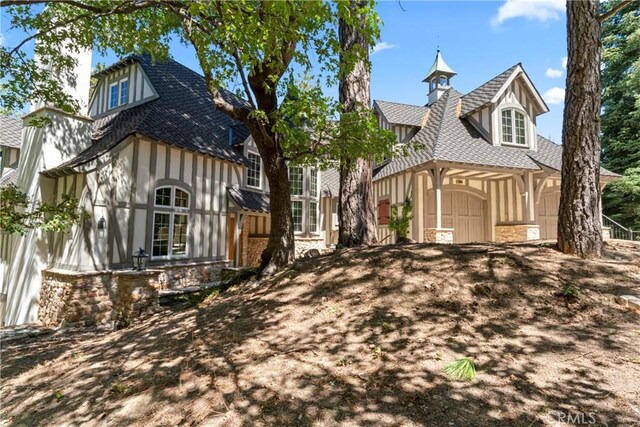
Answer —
(579, 223)
(356, 210)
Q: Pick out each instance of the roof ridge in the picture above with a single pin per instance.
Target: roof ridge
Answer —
(443, 117)
(494, 77)
(400, 103)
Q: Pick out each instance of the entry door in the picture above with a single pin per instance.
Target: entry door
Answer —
(548, 215)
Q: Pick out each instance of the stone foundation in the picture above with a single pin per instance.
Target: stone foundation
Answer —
(517, 232)
(186, 275)
(606, 233)
(438, 235)
(69, 298)
(303, 244)
(255, 246)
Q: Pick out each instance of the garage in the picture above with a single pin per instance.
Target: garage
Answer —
(548, 215)
(463, 212)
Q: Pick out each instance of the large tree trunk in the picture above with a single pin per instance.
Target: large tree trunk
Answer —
(579, 224)
(280, 249)
(356, 210)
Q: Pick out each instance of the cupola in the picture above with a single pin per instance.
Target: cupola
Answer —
(438, 78)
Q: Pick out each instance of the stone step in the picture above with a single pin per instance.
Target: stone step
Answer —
(173, 296)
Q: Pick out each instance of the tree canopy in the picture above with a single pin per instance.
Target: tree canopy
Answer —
(621, 112)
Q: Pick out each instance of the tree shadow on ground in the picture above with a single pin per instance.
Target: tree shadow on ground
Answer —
(359, 338)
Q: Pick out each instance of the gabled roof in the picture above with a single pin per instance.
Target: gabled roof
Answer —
(493, 89)
(446, 137)
(484, 93)
(183, 115)
(439, 66)
(330, 182)
(248, 200)
(401, 114)
(10, 131)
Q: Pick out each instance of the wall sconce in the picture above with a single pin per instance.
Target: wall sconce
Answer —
(102, 227)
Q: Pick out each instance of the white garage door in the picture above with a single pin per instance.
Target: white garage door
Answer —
(548, 215)
(464, 213)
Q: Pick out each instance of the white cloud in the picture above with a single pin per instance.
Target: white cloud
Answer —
(564, 62)
(382, 46)
(553, 73)
(555, 95)
(541, 10)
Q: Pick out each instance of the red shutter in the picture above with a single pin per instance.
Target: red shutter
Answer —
(383, 212)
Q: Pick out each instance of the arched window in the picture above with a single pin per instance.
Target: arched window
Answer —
(514, 129)
(170, 222)
(433, 83)
(443, 81)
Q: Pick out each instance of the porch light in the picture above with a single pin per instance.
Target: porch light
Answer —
(140, 259)
(102, 226)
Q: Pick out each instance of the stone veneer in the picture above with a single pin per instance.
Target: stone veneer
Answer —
(255, 246)
(114, 297)
(303, 244)
(606, 233)
(517, 232)
(438, 235)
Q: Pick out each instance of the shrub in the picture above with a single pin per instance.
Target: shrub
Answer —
(399, 222)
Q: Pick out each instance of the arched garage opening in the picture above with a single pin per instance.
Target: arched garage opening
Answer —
(464, 211)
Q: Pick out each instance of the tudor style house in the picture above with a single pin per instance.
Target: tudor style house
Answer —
(477, 170)
(157, 167)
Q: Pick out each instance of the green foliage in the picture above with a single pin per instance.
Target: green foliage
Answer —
(265, 52)
(399, 222)
(569, 291)
(621, 112)
(463, 369)
(18, 213)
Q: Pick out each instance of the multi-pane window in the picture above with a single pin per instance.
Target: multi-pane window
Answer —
(313, 183)
(113, 96)
(313, 217)
(171, 223)
(520, 131)
(296, 208)
(119, 93)
(296, 179)
(507, 126)
(254, 171)
(513, 127)
(124, 92)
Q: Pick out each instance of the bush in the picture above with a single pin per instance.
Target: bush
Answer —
(399, 222)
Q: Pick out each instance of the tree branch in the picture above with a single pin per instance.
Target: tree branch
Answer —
(615, 9)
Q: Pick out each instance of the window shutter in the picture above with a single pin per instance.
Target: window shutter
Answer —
(383, 212)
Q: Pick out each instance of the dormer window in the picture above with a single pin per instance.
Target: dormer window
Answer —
(513, 128)
(118, 93)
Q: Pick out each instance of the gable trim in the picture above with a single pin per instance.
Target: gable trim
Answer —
(519, 71)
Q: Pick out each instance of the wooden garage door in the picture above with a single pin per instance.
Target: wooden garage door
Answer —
(464, 213)
(548, 215)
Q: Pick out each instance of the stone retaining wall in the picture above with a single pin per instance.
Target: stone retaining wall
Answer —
(69, 298)
(606, 233)
(303, 244)
(517, 232)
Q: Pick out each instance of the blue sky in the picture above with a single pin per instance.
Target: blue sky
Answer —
(478, 39)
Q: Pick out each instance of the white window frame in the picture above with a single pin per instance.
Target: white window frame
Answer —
(118, 95)
(260, 165)
(313, 183)
(512, 112)
(311, 210)
(301, 217)
(172, 210)
(301, 181)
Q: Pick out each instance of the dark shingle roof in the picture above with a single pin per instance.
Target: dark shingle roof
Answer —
(183, 115)
(250, 200)
(484, 93)
(449, 138)
(10, 131)
(402, 114)
(10, 176)
(330, 182)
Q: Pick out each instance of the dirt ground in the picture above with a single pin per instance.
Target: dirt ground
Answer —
(359, 338)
